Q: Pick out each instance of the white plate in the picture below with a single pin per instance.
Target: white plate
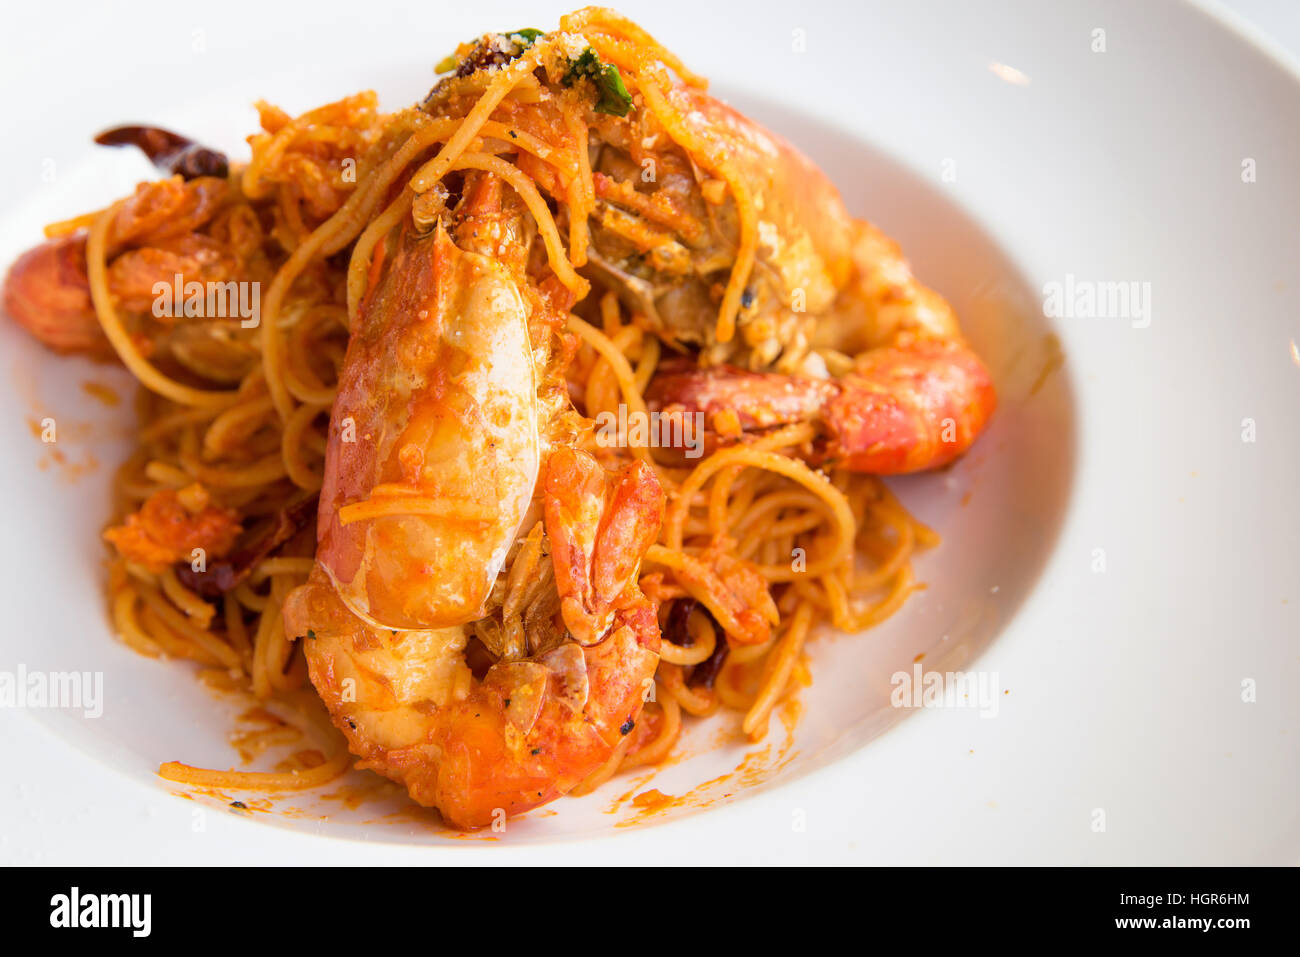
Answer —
(1124, 560)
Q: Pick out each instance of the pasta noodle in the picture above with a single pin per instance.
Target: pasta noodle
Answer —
(831, 548)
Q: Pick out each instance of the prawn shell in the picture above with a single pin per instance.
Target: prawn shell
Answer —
(804, 230)
(47, 292)
(437, 404)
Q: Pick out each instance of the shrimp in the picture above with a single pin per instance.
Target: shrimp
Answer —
(482, 748)
(200, 225)
(154, 236)
(914, 397)
(435, 445)
(910, 394)
(671, 251)
(898, 410)
(439, 457)
(47, 292)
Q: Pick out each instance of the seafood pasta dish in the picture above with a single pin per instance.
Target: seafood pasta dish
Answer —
(513, 430)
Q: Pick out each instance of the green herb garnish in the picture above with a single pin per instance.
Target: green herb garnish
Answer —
(525, 38)
(520, 38)
(612, 96)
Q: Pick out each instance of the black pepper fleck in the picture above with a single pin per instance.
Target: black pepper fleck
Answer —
(628, 725)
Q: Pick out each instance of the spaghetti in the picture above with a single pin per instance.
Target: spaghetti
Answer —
(233, 421)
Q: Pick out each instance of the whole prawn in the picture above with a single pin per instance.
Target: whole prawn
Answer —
(912, 394)
(832, 328)
(437, 459)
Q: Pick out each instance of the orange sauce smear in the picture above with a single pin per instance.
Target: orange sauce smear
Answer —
(754, 768)
(104, 393)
